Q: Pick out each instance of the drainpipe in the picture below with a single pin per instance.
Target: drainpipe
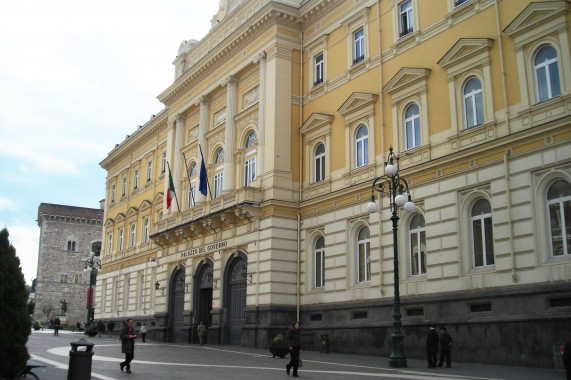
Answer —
(298, 274)
(504, 87)
(515, 277)
(382, 128)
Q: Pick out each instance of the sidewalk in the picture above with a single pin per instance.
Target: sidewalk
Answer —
(154, 360)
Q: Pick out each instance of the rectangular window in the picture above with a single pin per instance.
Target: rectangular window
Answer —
(112, 193)
(319, 268)
(109, 243)
(146, 231)
(459, 2)
(316, 317)
(63, 278)
(405, 18)
(149, 171)
(133, 230)
(120, 242)
(136, 180)
(415, 312)
(480, 307)
(124, 187)
(218, 177)
(249, 171)
(560, 302)
(360, 315)
(318, 69)
(364, 262)
(358, 46)
(164, 164)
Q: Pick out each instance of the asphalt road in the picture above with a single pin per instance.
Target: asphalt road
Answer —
(155, 360)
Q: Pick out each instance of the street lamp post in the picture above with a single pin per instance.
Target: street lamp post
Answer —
(92, 267)
(393, 185)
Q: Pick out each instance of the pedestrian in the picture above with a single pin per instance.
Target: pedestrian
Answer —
(294, 338)
(143, 332)
(201, 330)
(567, 359)
(57, 325)
(432, 346)
(445, 347)
(128, 337)
(110, 327)
(100, 327)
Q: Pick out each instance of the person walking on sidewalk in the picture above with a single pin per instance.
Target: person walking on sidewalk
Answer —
(100, 327)
(128, 337)
(445, 347)
(432, 346)
(201, 330)
(110, 327)
(143, 332)
(294, 338)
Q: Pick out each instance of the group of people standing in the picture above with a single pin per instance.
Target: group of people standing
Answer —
(433, 341)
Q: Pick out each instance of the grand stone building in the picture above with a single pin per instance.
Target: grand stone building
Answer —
(67, 235)
(293, 107)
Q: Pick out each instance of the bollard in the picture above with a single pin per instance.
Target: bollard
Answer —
(324, 343)
(80, 360)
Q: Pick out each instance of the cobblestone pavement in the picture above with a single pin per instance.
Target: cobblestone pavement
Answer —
(155, 360)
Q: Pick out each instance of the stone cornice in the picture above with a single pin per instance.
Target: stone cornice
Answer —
(270, 14)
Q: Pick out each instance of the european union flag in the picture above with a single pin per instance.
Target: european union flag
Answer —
(203, 184)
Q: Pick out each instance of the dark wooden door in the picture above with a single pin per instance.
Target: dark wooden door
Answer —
(177, 306)
(237, 300)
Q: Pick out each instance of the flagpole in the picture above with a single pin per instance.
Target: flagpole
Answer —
(175, 197)
(207, 181)
(188, 176)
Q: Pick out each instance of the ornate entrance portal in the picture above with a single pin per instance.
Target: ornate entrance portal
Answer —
(177, 305)
(203, 295)
(236, 300)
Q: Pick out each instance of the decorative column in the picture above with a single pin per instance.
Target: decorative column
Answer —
(204, 102)
(177, 159)
(261, 58)
(231, 84)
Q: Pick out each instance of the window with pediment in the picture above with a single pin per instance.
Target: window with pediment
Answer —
(218, 172)
(250, 159)
(316, 132)
(546, 69)
(473, 103)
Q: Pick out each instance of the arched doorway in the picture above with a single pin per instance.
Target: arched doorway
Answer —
(176, 309)
(236, 298)
(203, 294)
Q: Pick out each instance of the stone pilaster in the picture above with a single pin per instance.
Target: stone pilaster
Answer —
(231, 84)
(261, 59)
(204, 103)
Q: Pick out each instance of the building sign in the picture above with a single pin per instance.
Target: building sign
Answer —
(204, 249)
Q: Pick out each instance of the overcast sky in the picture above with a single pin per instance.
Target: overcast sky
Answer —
(76, 77)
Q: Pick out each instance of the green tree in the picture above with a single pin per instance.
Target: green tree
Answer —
(13, 311)
(31, 307)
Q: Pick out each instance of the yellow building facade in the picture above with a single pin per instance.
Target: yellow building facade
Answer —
(293, 107)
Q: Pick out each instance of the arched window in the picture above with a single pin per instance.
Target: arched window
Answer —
(417, 233)
(482, 234)
(546, 73)
(146, 230)
(319, 253)
(559, 208)
(78, 279)
(363, 255)
(69, 245)
(362, 146)
(319, 161)
(473, 103)
(120, 241)
(250, 159)
(193, 169)
(218, 172)
(412, 126)
(73, 246)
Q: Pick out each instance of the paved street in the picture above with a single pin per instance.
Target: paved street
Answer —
(182, 361)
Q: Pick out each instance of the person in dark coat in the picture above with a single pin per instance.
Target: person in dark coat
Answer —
(100, 327)
(432, 340)
(128, 337)
(57, 325)
(445, 347)
(110, 327)
(294, 339)
(567, 359)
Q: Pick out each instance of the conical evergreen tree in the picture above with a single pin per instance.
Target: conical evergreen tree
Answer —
(14, 319)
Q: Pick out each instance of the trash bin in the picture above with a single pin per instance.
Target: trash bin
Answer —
(80, 360)
(324, 343)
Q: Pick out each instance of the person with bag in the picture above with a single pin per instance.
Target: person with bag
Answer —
(294, 338)
(128, 337)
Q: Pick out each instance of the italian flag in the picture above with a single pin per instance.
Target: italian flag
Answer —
(170, 191)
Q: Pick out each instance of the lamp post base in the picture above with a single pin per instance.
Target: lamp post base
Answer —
(397, 362)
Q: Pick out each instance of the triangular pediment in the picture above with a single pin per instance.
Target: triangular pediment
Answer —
(109, 222)
(145, 205)
(535, 15)
(356, 101)
(120, 217)
(405, 77)
(133, 211)
(465, 49)
(158, 199)
(316, 120)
